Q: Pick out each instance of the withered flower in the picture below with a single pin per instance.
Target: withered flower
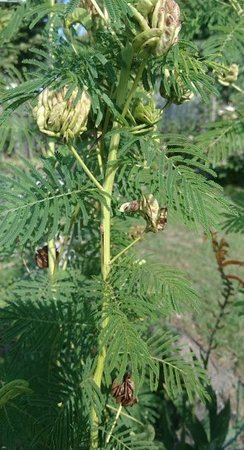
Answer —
(41, 257)
(124, 392)
(155, 216)
(62, 117)
(158, 25)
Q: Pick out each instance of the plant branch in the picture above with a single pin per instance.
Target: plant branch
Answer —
(236, 262)
(110, 173)
(134, 87)
(237, 88)
(51, 243)
(114, 424)
(125, 250)
(125, 415)
(227, 293)
(98, 9)
(235, 277)
(85, 168)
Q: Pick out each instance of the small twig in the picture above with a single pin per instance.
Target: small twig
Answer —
(114, 424)
(235, 277)
(125, 250)
(25, 264)
(228, 262)
(234, 438)
(51, 257)
(98, 9)
(237, 88)
(99, 159)
(68, 239)
(85, 168)
(125, 415)
(134, 87)
(51, 242)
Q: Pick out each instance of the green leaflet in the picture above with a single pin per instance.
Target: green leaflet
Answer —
(12, 390)
(35, 202)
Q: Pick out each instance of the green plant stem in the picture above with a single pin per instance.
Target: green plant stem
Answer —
(85, 168)
(70, 39)
(125, 415)
(114, 424)
(98, 9)
(51, 153)
(134, 87)
(111, 169)
(237, 88)
(100, 160)
(51, 243)
(68, 239)
(125, 250)
(51, 257)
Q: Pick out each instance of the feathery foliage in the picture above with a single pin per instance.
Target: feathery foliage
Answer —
(82, 332)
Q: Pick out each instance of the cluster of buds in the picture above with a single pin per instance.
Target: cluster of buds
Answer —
(155, 216)
(145, 111)
(5, 18)
(61, 117)
(229, 76)
(124, 392)
(177, 91)
(159, 25)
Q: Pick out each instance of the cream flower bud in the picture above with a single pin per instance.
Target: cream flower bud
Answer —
(61, 117)
(159, 23)
(230, 76)
(146, 112)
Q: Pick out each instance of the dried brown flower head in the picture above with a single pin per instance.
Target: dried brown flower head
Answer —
(41, 257)
(124, 392)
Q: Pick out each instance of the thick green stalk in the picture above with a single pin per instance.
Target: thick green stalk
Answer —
(51, 257)
(106, 221)
(51, 243)
(51, 152)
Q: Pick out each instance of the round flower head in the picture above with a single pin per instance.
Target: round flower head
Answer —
(159, 25)
(230, 76)
(62, 117)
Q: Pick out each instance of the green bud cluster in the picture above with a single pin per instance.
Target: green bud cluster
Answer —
(5, 18)
(226, 78)
(145, 111)
(159, 25)
(60, 117)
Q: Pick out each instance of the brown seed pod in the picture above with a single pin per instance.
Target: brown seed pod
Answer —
(162, 219)
(124, 392)
(155, 216)
(41, 257)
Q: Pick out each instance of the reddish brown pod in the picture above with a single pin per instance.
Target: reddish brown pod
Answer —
(124, 392)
